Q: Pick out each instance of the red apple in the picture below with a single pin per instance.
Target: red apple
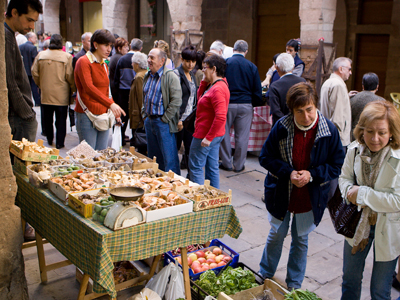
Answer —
(207, 252)
(195, 264)
(227, 258)
(200, 254)
(197, 270)
(193, 256)
(210, 261)
(205, 268)
(179, 259)
(211, 255)
(217, 251)
(222, 263)
(213, 265)
(201, 260)
(189, 261)
(219, 258)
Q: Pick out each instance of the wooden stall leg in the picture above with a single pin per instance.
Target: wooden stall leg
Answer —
(23, 226)
(185, 269)
(154, 266)
(42, 261)
(83, 287)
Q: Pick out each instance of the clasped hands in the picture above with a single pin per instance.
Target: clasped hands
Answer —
(300, 178)
(352, 194)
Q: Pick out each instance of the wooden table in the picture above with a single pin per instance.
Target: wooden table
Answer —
(93, 248)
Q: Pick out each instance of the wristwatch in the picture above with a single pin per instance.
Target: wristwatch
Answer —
(311, 179)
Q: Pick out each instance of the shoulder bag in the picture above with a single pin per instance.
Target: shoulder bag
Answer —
(101, 122)
(345, 217)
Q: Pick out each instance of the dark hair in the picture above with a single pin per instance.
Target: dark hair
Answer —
(379, 110)
(102, 37)
(120, 43)
(56, 42)
(200, 55)
(22, 6)
(370, 81)
(293, 43)
(189, 53)
(276, 57)
(40, 32)
(136, 44)
(116, 36)
(300, 95)
(218, 62)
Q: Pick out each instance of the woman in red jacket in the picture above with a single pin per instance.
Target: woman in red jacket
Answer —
(92, 83)
(212, 107)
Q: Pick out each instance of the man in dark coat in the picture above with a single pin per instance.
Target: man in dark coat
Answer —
(85, 38)
(279, 89)
(245, 88)
(29, 52)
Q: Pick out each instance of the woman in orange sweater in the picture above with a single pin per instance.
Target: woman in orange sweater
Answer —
(92, 83)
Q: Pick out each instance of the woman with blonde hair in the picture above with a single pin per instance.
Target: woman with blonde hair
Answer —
(163, 45)
(370, 179)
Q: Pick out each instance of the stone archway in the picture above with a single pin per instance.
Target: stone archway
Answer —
(51, 16)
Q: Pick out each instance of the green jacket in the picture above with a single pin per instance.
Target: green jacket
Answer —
(172, 98)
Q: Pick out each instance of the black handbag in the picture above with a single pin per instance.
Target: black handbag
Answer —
(345, 217)
(71, 114)
(139, 140)
(188, 123)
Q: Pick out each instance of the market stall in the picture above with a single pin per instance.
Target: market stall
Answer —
(259, 131)
(93, 248)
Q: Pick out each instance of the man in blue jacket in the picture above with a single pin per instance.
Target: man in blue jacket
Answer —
(123, 78)
(245, 88)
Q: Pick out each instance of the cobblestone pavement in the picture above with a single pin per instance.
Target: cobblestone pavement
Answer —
(324, 265)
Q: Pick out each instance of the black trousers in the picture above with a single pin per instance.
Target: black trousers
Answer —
(35, 91)
(61, 123)
(185, 137)
(124, 103)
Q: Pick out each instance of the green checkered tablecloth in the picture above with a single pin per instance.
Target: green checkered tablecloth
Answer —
(93, 248)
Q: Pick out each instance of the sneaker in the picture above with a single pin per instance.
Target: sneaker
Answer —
(29, 234)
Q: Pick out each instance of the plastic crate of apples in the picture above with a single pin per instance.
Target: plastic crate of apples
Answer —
(214, 257)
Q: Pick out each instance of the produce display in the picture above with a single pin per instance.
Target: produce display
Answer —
(82, 151)
(91, 163)
(76, 182)
(149, 202)
(65, 170)
(103, 197)
(205, 192)
(201, 261)
(43, 171)
(299, 294)
(33, 146)
(123, 271)
(57, 162)
(189, 248)
(231, 281)
(100, 210)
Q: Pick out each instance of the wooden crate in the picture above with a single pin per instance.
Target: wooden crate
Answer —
(277, 290)
(86, 210)
(26, 154)
(222, 200)
(21, 165)
(150, 164)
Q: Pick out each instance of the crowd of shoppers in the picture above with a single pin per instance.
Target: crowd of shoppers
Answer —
(304, 154)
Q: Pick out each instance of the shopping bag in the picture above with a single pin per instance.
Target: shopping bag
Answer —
(158, 283)
(145, 294)
(175, 288)
(116, 138)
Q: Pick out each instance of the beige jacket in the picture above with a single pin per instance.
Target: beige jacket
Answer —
(384, 198)
(335, 106)
(53, 73)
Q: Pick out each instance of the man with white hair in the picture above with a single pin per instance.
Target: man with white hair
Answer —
(29, 52)
(85, 38)
(279, 88)
(221, 49)
(335, 100)
(245, 89)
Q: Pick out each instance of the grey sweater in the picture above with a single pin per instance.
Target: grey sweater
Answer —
(19, 90)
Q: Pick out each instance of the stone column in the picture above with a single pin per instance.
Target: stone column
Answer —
(316, 21)
(13, 283)
(51, 16)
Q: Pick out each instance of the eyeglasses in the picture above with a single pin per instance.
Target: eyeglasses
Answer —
(347, 67)
(206, 67)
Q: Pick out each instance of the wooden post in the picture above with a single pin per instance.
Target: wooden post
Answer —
(185, 270)
(42, 261)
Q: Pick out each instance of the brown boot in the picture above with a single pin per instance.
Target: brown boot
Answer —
(29, 234)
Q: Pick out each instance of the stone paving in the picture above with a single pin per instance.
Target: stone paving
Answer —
(324, 266)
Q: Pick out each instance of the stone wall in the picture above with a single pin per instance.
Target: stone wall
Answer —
(51, 16)
(13, 283)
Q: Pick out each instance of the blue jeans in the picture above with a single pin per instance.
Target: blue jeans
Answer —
(297, 262)
(200, 157)
(98, 140)
(21, 128)
(161, 143)
(353, 268)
